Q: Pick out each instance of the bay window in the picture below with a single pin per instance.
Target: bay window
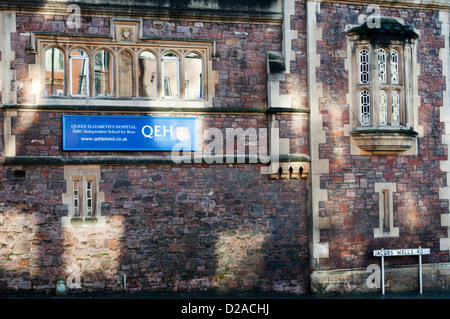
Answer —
(382, 104)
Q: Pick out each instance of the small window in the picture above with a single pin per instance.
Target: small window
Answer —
(83, 197)
(89, 200)
(79, 73)
(386, 211)
(103, 74)
(170, 75)
(54, 72)
(147, 74)
(193, 78)
(76, 198)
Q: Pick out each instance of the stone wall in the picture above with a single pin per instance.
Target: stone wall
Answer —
(168, 228)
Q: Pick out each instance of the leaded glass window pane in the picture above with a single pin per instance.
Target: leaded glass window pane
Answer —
(364, 66)
(381, 65)
(394, 66)
(383, 107)
(76, 198)
(89, 198)
(365, 107)
(395, 108)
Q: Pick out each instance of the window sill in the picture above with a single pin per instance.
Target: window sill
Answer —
(134, 102)
(384, 141)
(83, 221)
(381, 233)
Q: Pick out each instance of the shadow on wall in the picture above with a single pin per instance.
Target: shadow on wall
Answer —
(170, 229)
(30, 229)
(202, 232)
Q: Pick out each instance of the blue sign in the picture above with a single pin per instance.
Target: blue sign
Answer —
(128, 133)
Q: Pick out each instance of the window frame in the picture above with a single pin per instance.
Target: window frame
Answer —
(112, 70)
(45, 69)
(88, 76)
(178, 73)
(157, 70)
(375, 86)
(395, 138)
(82, 209)
(203, 59)
(204, 48)
(386, 211)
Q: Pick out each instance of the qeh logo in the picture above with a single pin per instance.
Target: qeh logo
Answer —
(182, 133)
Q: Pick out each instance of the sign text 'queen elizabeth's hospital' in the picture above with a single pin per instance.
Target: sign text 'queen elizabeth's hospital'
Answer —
(128, 133)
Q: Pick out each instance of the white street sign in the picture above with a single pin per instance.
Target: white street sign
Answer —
(401, 252)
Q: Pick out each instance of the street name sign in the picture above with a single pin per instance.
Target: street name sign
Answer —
(401, 252)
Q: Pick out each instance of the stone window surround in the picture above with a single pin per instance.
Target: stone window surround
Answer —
(66, 42)
(398, 139)
(81, 174)
(374, 87)
(386, 231)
